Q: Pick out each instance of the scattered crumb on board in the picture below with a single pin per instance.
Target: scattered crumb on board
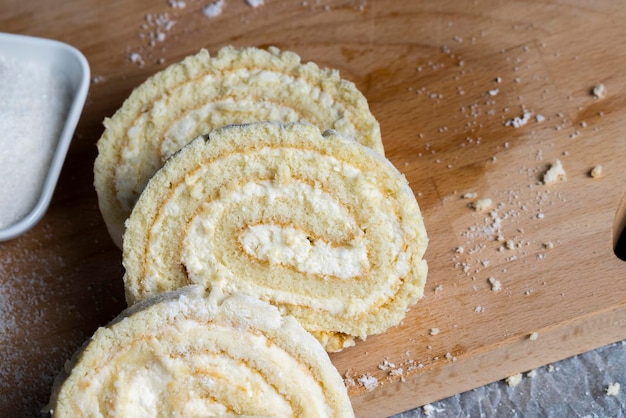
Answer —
(481, 205)
(156, 26)
(255, 3)
(213, 9)
(599, 91)
(496, 285)
(367, 381)
(613, 389)
(519, 121)
(386, 365)
(514, 380)
(533, 336)
(596, 172)
(429, 410)
(555, 173)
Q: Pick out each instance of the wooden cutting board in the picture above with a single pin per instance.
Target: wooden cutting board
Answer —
(443, 78)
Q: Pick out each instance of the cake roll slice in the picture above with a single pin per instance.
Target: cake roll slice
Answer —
(202, 93)
(189, 354)
(316, 224)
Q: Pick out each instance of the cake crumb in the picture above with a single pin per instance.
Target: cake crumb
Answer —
(434, 331)
(255, 3)
(548, 245)
(479, 309)
(531, 373)
(429, 410)
(214, 9)
(514, 380)
(533, 336)
(470, 195)
(540, 118)
(496, 286)
(519, 121)
(439, 288)
(369, 382)
(599, 91)
(481, 205)
(613, 389)
(555, 173)
(136, 58)
(509, 244)
(459, 250)
(596, 172)
(386, 365)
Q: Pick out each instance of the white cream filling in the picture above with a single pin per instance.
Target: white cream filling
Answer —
(291, 246)
(204, 267)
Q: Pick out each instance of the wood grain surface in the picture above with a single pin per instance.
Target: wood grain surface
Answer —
(443, 78)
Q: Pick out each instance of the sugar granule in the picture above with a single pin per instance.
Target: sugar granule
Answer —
(33, 104)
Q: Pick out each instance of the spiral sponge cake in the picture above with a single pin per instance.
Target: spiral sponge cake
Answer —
(188, 354)
(318, 225)
(201, 93)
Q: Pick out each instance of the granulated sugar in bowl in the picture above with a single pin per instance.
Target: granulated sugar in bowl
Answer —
(43, 87)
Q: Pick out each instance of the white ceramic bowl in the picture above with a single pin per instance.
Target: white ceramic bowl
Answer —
(68, 62)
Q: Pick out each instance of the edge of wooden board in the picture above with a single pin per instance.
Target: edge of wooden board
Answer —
(490, 364)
